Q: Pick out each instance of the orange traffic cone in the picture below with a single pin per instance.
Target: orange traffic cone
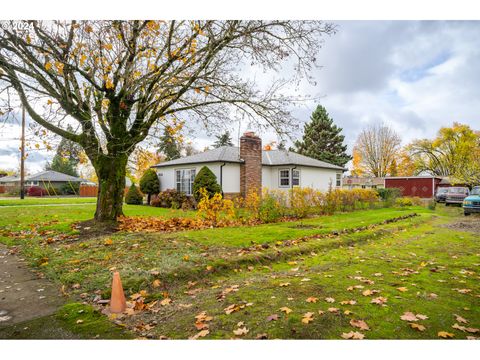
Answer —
(117, 301)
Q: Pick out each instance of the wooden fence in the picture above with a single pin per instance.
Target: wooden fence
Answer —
(88, 190)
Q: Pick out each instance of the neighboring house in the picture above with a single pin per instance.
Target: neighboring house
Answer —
(421, 186)
(45, 179)
(249, 167)
(356, 182)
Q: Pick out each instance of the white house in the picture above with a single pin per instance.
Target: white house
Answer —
(239, 169)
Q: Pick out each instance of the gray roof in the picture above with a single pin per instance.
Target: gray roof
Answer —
(231, 154)
(11, 178)
(47, 175)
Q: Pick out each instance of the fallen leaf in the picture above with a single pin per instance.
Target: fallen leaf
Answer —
(307, 317)
(284, 284)
(202, 333)
(261, 336)
(353, 335)
(422, 317)
(409, 316)
(156, 283)
(79, 321)
(241, 331)
(286, 310)
(379, 300)
(165, 302)
(445, 335)
(333, 310)
(329, 300)
(402, 289)
(417, 326)
(312, 299)
(273, 317)
(348, 302)
(362, 325)
(460, 319)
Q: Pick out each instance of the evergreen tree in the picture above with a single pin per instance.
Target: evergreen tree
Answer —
(66, 158)
(205, 179)
(223, 140)
(134, 196)
(322, 139)
(149, 184)
(62, 165)
(169, 145)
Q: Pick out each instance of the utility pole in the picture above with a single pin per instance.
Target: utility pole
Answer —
(22, 157)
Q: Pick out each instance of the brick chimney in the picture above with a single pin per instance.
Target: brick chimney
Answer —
(251, 169)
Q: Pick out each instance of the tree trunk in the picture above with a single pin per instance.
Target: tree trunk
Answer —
(111, 187)
(149, 196)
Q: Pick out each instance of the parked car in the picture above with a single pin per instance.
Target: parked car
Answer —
(471, 204)
(456, 195)
(441, 194)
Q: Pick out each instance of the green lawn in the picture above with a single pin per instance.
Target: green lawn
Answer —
(46, 201)
(319, 257)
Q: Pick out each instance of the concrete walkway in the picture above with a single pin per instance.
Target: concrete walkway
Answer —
(23, 295)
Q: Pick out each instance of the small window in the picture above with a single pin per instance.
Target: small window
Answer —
(374, 186)
(184, 180)
(363, 186)
(339, 180)
(295, 177)
(284, 176)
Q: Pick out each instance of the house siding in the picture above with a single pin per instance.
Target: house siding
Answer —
(316, 178)
(231, 175)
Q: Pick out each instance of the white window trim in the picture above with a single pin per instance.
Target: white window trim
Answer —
(280, 178)
(191, 185)
(299, 177)
(338, 176)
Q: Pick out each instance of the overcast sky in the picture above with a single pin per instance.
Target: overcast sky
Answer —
(414, 76)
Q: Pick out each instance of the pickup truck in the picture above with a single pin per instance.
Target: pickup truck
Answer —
(455, 195)
(471, 204)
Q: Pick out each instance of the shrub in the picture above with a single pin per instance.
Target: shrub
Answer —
(70, 189)
(270, 209)
(149, 184)
(207, 180)
(170, 198)
(36, 191)
(213, 208)
(389, 195)
(134, 196)
(408, 201)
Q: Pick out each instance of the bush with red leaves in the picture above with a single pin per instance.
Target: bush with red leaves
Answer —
(36, 191)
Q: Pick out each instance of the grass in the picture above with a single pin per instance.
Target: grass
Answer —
(46, 201)
(319, 257)
(71, 321)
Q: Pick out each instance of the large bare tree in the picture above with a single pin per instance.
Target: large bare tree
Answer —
(376, 148)
(117, 79)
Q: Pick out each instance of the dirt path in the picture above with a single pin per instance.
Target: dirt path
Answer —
(470, 224)
(23, 295)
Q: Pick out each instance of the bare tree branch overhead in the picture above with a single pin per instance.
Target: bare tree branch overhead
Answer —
(118, 79)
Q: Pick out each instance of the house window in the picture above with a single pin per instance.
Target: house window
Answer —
(339, 180)
(295, 177)
(184, 180)
(284, 176)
